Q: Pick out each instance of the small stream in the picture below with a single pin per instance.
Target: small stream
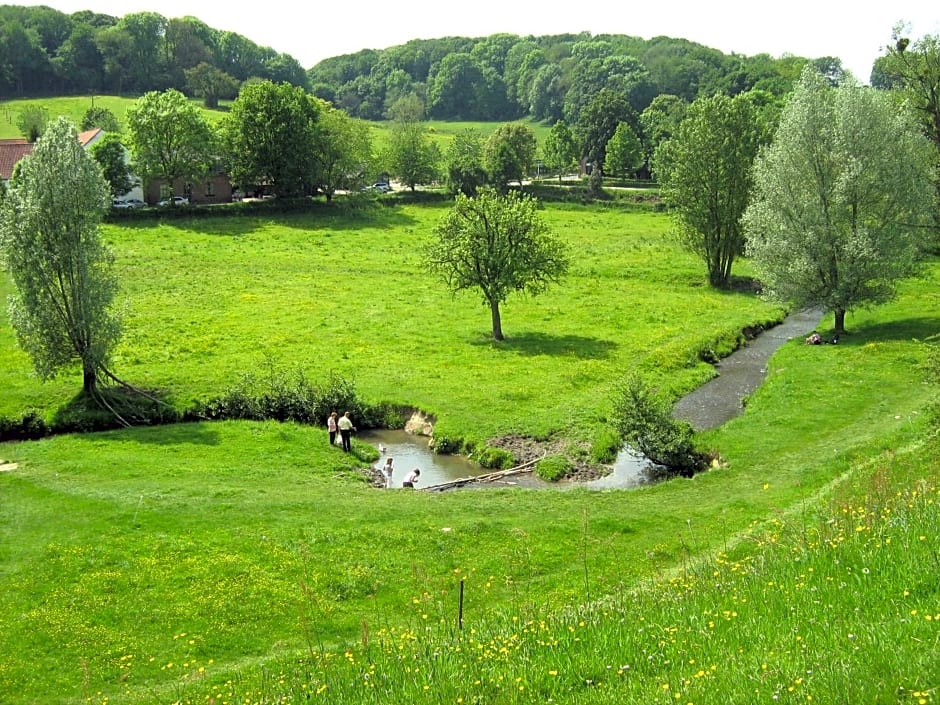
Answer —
(709, 406)
(409, 451)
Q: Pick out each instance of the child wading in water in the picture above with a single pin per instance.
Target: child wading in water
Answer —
(411, 478)
(387, 472)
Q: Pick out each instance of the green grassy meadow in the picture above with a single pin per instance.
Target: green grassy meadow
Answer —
(241, 562)
(74, 108)
(343, 291)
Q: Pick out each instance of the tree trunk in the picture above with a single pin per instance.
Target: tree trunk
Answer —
(497, 323)
(89, 380)
(840, 322)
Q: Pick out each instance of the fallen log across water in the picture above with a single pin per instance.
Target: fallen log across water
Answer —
(488, 477)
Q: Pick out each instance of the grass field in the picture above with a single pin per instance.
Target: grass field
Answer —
(250, 563)
(74, 108)
(344, 291)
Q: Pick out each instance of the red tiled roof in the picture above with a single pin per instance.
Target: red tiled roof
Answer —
(88, 136)
(11, 151)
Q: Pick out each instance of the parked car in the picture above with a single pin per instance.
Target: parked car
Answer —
(118, 203)
(175, 201)
(381, 187)
(134, 203)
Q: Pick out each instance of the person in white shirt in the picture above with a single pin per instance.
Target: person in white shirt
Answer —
(345, 428)
(387, 471)
(411, 478)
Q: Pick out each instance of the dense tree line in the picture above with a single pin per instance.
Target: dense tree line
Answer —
(502, 77)
(507, 77)
(47, 52)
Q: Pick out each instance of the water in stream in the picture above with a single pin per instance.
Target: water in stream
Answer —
(711, 405)
(409, 451)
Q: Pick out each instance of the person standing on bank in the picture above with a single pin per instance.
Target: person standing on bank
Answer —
(411, 478)
(332, 427)
(345, 429)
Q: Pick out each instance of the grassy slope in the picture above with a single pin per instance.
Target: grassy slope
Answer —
(209, 299)
(253, 539)
(73, 107)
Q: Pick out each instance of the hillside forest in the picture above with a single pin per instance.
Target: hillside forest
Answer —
(500, 77)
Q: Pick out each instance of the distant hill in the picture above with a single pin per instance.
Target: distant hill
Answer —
(48, 52)
(506, 76)
(45, 52)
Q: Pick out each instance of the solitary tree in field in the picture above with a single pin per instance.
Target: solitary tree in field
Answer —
(498, 245)
(100, 117)
(61, 269)
(843, 198)
(210, 83)
(705, 174)
(32, 121)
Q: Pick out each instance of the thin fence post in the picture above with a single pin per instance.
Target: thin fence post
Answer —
(460, 607)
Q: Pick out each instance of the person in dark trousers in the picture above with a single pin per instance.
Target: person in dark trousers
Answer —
(332, 427)
(411, 478)
(345, 430)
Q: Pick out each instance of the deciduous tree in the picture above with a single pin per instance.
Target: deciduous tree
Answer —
(412, 157)
(624, 153)
(111, 156)
(170, 139)
(32, 120)
(496, 244)
(103, 118)
(560, 150)
(343, 154)
(270, 136)
(463, 163)
(508, 154)
(210, 83)
(705, 174)
(842, 198)
(914, 68)
(598, 122)
(62, 271)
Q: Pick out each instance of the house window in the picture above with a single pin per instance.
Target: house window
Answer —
(210, 189)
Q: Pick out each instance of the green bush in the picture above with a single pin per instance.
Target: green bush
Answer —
(445, 445)
(495, 458)
(646, 423)
(31, 426)
(606, 446)
(283, 395)
(553, 468)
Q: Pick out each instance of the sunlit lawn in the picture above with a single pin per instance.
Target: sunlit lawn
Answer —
(210, 299)
(249, 562)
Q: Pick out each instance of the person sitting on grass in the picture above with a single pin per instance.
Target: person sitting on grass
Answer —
(814, 339)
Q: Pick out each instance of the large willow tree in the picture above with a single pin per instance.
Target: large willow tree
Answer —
(50, 243)
(843, 198)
